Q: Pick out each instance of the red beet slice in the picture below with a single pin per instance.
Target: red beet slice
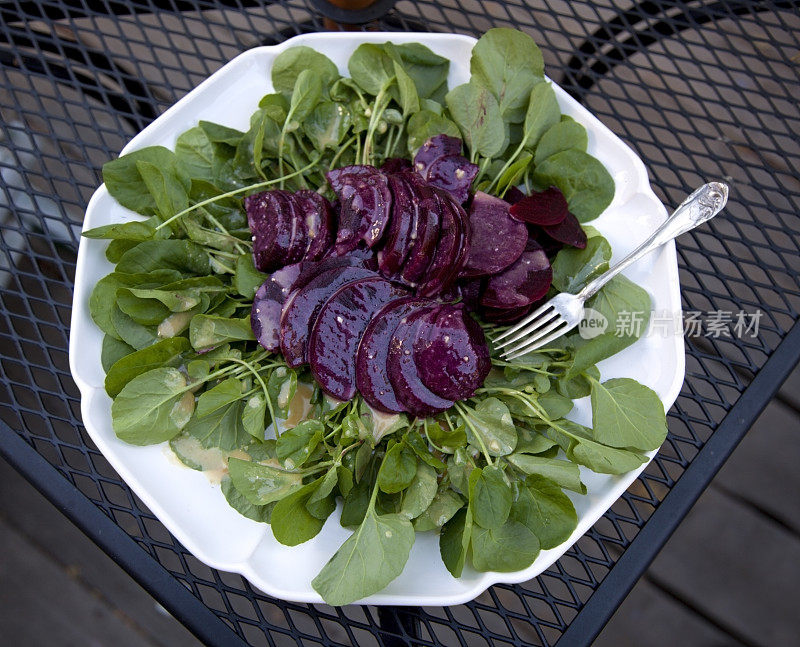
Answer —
(337, 332)
(299, 240)
(424, 241)
(270, 221)
(526, 281)
(568, 231)
(496, 241)
(454, 174)
(471, 290)
(451, 353)
(548, 207)
(339, 177)
(372, 377)
(320, 223)
(301, 309)
(396, 165)
(265, 315)
(415, 398)
(404, 213)
(513, 195)
(364, 214)
(310, 270)
(433, 149)
(450, 252)
(505, 315)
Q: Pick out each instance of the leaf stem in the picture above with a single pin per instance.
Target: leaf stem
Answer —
(465, 416)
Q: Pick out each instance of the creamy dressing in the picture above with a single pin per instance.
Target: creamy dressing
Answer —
(213, 462)
(174, 324)
(382, 422)
(300, 406)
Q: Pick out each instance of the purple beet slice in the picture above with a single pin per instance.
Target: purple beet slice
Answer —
(526, 281)
(505, 315)
(568, 231)
(320, 223)
(301, 309)
(364, 214)
(337, 332)
(471, 290)
(265, 315)
(413, 396)
(548, 207)
(450, 252)
(396, 165)
(270, 221)
(513, 195)
(372, 376)
(454, 174)
(338, 178)
(404, 212)
(310, 270)
(496, 240)
(451, 353)
(436, 147)
(298, 243)
(424, 241)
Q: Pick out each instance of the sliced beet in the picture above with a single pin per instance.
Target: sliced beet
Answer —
(301, 309)
(395, 165)
(451, 353)
(404, 212)
(454, 174)
(364, 214)
(537, 238)
(505, 315)
(299, 239)
(265, 315)
(372, 377)
(471, 290)
(450, 251)
(526, 281)
(496, 239)
(433, 149)
(414, 397)
(513, 195)
(320, 223)
(568, 231)
(424, 241)
(338, 178)
(310, 270)
(270, 221)
(548, 207)
(338, 328)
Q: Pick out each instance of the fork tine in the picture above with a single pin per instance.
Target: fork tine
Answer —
(518, 327)
(526, 330)
(536, 334)
(538, 343)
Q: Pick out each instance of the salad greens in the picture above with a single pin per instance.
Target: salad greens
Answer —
(182, 365)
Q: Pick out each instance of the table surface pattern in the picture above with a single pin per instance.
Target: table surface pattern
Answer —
(700, 90)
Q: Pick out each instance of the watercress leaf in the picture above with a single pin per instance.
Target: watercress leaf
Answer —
(490, 425)
(136, 230)
(179, 296)
(247, 278)
(254, 416)
(173, 254)
(116, 248)
(344, 480)
(446, 440)
(227, 391)
(421, 449)
(295, 445)
(374, 555)
(196, 152)
(511, 547)
(206, 331)
(428, 70)
(581, 448)
(532, 442)
(220, 134)
(152, 407)
(454, 541)
(223, 428)
(325, 488)
(578, 386)
(444, 505)
(170, 191)
(542, 113)
(476, 112)
(404, 90)
(282, 386)
(137, 362)
(147, 312)
(507, 62)
(238, 502)
(370, 67)
(627, 414)
(420, 493)
(306, 95)
(564, 473)
(327, 125)
(512, 175)
(563, 136)
(425, 124)
(261, 484)
(490, 498)
(292, 523)
(584, 181)
(459, 468)
(554, 404)
(132, 333)
(356, 503)
(125, 183)
(290, 63)
(573, 268)
(398, 468)
(113, 350)
(546, 510)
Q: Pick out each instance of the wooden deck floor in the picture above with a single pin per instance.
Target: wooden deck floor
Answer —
(727, 577)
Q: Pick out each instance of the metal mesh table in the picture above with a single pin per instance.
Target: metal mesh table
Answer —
(701, 89)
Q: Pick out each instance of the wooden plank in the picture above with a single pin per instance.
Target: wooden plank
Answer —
(94, 575)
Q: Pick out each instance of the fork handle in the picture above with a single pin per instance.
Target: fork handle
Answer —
(701, 206)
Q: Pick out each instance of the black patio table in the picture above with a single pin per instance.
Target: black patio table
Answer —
(701, 89)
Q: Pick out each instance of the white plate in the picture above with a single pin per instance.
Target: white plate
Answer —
(196, 512)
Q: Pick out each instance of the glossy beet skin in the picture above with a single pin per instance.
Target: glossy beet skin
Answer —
(526, 281)
(547, 207)
(337, 332)
(265, 315)
(497, 239)
(451, 249)
(364, 213)
(440, 163)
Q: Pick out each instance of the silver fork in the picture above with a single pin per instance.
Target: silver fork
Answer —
(565, 311)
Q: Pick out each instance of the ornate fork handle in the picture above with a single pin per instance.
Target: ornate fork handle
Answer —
(701, 206)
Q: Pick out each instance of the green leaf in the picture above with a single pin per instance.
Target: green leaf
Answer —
(173, 254)
(224, 393)
(206, 331)
(370, 67)
(420, 493)
(421, 449)
(428, 70)
(573, 268)
(627, 414)
(511, 547)
(582, 449)
(532, 442)
(112, 351)
(509, 63)
(261, 484)
(398, 468)
(554, 404)
(563, 136)
(543, 112)
(295, 445)
(327, 125)
(136, 230)
(546, 510)
(426, 124)
(584, 181)
(477, 114)
(405, 90)
(152, 407)
(578, 386)
(238, 502)
(223, 428)
(254, 416)
(221, 134)
(290, 63)
(444, 505)
(282, 386)
(454, 541)
(446, 440)
(292, 523)
(491, 497)
(170, 191)
(131, 332)
(306, 95)
(512, 175)
(490, 425)
(197, 154)
(564, 473)
(182, 295)
(138, 362)
(247, 278)
(374, 555)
